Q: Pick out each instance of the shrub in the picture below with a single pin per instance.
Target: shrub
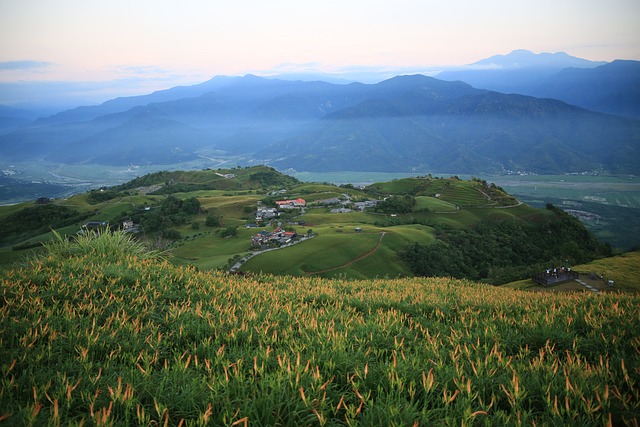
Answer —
(99, 244)
(229, 231)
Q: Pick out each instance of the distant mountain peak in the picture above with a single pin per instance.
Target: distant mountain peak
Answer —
(522, 58)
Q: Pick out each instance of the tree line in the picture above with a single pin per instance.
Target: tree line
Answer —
(503, 250)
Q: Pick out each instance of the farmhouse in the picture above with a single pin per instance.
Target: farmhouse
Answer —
(277, 236)
(290, 204)
(92, 226)
(128, 226)
(361, 206)
(331, 201)
(340, 210)
(266, 213)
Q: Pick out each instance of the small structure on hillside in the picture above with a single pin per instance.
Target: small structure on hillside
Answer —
(266, 213)
(93, 226)
(290, 204)
(552, 277)
(43, 201)
(277, 237)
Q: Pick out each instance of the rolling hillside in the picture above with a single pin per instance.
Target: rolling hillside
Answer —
(103, 332)
(208, 218)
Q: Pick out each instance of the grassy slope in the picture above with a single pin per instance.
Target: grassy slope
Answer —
(99, 339)
(459, 204)
(623, 269)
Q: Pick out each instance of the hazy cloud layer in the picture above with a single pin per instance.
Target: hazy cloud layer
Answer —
(24, 65)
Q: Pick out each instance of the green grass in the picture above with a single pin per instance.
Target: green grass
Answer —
(623, 269)
(320, 216)
(119, 340)
(326, 251)
(207, 250)
(231, 206)
(398, 186)
(434, 204)
(460, 205)
(9, 209)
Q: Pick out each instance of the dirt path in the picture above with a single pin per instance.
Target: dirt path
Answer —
(493, 202)
(353, 261)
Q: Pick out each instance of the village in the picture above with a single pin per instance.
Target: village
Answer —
(266, 215)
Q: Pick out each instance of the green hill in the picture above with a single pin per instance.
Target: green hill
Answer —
(102, 332)
(422, 226)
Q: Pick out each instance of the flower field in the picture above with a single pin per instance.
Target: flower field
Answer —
(130, 340)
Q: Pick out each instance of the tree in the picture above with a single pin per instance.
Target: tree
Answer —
(230, 231)
(212, 221)
(397, 204)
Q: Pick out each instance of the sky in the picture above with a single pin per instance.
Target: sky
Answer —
(93, 50)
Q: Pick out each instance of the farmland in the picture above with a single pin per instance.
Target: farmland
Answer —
(103, 334)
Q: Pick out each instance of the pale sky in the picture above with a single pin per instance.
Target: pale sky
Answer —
(152, 44)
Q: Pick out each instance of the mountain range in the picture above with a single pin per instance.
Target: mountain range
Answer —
(562, 120)
(612, 88)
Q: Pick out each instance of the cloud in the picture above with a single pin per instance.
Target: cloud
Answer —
(341, 74)
(24, 65)
(141, 70)
(74, 93)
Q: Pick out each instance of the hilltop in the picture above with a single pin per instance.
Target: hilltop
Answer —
(221, 219)
(104, 332)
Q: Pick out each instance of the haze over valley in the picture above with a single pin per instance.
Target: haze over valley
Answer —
(558, 124)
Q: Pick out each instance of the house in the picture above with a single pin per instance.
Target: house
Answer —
(43, 201)
(290, 204)
(93, 226)
(266, 213)
(129, 227)
(273, 237)
(340, 210)
(331, 201)
(361, 206)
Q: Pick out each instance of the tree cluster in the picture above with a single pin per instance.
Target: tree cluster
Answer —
(396, 205)
(272, 178)
(499, 251)
(172, 212)
(38, 219)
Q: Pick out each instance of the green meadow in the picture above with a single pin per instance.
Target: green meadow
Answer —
(99, 331)
(336, 251)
